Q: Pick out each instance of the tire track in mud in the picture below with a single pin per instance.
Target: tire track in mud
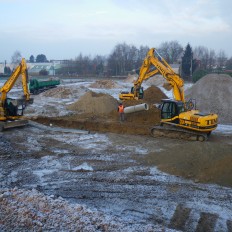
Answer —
(229, 225)
(180, 218)
(143, 200)
(207, 222)
(121, 187)
(132, 199)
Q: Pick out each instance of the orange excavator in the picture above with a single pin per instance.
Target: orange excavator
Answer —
(179, 118)
(11, 110)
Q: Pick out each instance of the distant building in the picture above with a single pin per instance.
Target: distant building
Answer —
(35, 68)
(51, 68)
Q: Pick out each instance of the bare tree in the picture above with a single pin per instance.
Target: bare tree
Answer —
(221, 59)
(123, 59)
(171, 51)
(16, 57)
(229, 63)
(202, 53)
(212, 58)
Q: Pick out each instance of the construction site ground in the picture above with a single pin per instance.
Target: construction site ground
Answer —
(117, 168)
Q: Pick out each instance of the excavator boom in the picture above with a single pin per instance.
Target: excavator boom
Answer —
(177, 116)
(11, 110)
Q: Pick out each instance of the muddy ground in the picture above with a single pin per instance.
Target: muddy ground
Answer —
(120, 175)
(119, 169)
(208, 162)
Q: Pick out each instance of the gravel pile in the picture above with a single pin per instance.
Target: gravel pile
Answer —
(213, 93)
(25, 210)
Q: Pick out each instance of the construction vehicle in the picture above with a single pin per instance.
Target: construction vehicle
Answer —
(37, 86)
(11, 109)
(179, 118)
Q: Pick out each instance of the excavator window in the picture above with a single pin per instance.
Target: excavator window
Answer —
(169, 110)
(11, 109)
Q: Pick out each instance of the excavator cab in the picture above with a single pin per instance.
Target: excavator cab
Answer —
(170, 110)
(139, 92)
(15, 107)
(10, 108)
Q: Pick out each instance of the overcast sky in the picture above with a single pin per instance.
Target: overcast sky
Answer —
(62, 29)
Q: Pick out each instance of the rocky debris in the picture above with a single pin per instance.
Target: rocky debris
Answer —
(213, 93)
(104, 84)
(30, 210)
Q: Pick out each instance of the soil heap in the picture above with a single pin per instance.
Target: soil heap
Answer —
(98, 112)
(131, 78)
(104, 84)
(100, 104)
(157, 80)
(95, 103)
(213, 93)
(63, 92)
(152, 95)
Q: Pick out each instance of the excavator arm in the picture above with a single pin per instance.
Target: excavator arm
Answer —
(168, 73)
(178, 118)
(152, 65)
(12, 109)
(21, 69)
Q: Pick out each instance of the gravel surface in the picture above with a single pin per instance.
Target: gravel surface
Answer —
(24, 210)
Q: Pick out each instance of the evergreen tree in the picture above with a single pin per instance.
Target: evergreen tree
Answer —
(41, 58)
(32, 59)
(187, 63)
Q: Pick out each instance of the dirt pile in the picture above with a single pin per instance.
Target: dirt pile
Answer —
(104, 84)
(152, 95)
(157, 80)
(63, 92)
(98, 112)
(95, 103)
(131, 78)
(213, 93)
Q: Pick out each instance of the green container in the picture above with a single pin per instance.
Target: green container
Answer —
(37, 86)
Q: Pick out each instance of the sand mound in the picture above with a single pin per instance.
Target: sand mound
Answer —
(64, 92)
(131, 78)
(152, 95)
(99, 104)
(213, 93)
(104, 84)
(157, 80)
(95, 103)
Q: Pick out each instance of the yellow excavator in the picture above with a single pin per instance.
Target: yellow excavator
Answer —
(11, 110)
(179, 119)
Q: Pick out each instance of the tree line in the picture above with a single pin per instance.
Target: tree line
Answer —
(126, 58)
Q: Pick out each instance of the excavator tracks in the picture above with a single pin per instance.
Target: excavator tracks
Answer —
(175, 132)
